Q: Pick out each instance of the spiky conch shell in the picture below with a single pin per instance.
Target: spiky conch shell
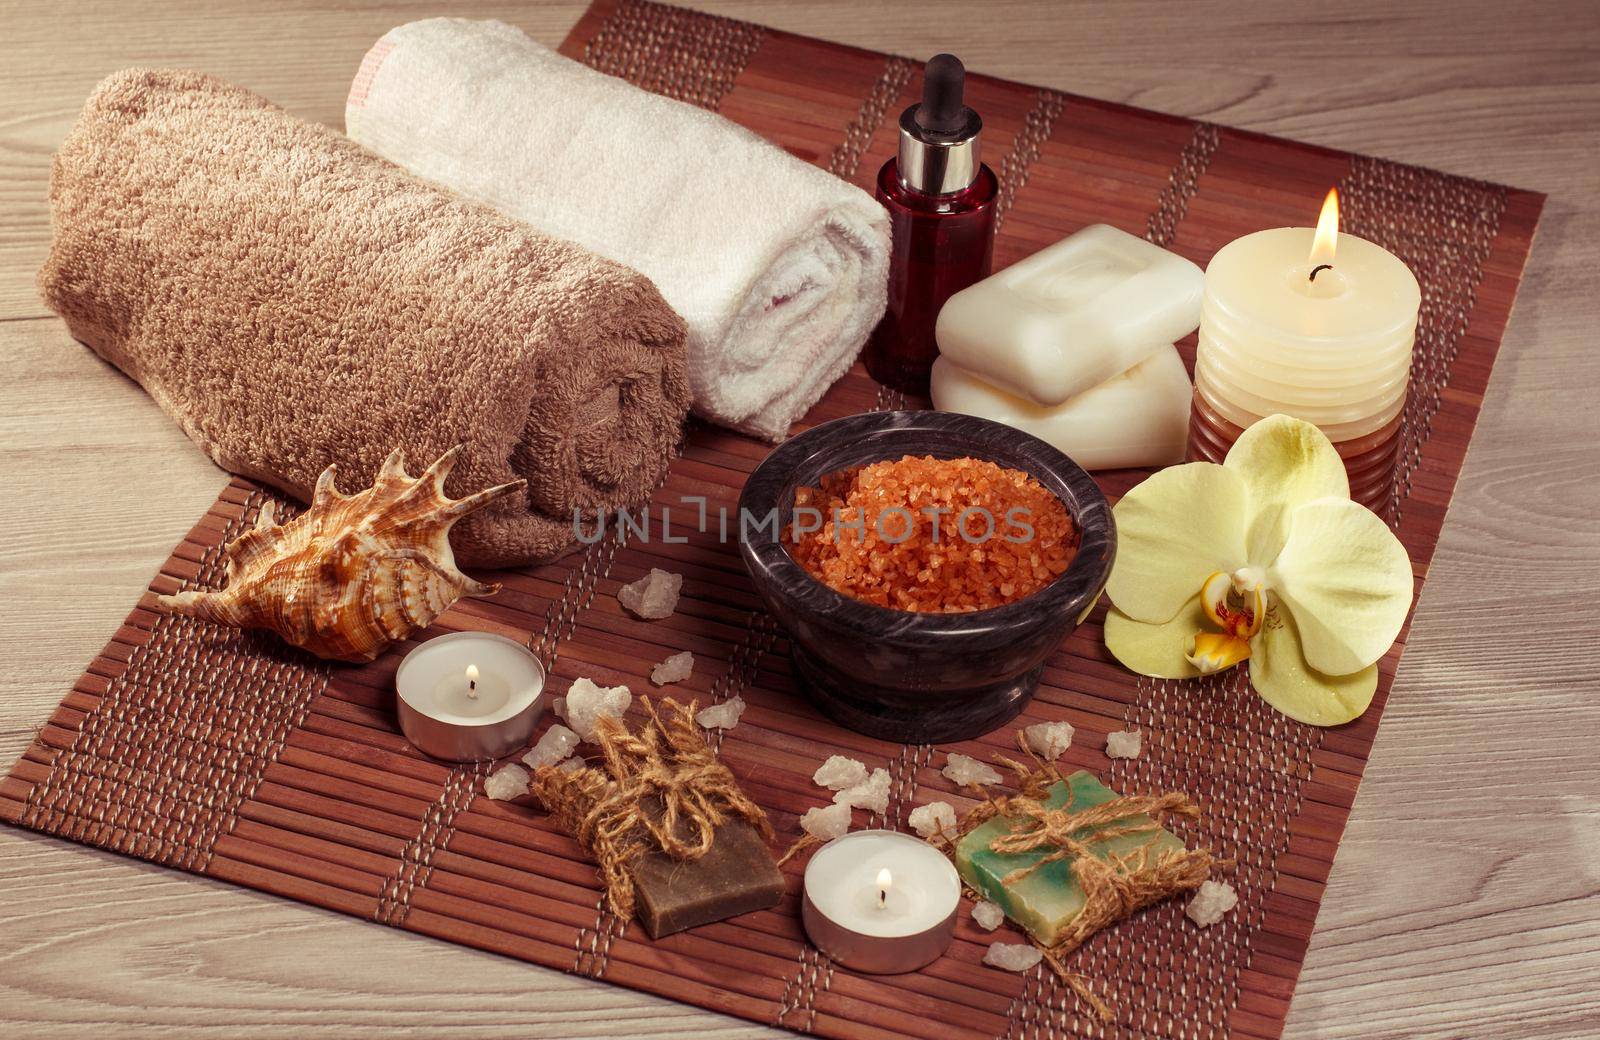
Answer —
(353, 573)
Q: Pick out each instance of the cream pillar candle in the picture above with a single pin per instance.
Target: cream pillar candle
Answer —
(1311, 323)
(1072, 315)
(1136, 418)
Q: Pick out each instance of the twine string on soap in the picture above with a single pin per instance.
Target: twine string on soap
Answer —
(662, 789)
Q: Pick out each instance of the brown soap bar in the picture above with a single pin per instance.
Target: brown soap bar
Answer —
(736, 876)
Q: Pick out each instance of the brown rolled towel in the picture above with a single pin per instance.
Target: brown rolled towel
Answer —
(292, 300)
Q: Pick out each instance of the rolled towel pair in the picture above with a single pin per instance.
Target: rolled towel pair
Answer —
(779, 268)
(293, 300)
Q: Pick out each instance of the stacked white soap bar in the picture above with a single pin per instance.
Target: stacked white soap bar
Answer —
(1075, 346)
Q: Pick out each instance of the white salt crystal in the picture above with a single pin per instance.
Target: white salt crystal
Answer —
(826, 822)
(571, 765)
(1012, 956)
(928, 820)
(722, 716)
(556, 744)
(587, 703)
(653, 596)
(872, 794)
(838, 773)
(963, 770)
(1049, 739)
(988, 915)
(674, 669)
(1214, 899)
(506, 783)
(1123, 744)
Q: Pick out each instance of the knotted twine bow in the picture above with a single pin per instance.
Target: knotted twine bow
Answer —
(662, 789)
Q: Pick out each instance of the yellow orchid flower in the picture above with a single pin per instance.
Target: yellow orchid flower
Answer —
(1264, 559)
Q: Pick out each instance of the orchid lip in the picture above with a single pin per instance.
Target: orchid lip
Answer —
(1239, 609)
(1238, 612)
(1212, 652)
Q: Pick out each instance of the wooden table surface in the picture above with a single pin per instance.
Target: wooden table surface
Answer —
(1465, 901)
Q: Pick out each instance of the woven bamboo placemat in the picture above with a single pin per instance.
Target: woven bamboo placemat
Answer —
(221, 753)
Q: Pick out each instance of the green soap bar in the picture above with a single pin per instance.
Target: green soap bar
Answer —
(1046, 901)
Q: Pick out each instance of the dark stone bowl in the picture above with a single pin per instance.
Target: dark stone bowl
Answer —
(914, 677)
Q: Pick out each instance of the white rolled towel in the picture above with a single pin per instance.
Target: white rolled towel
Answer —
(778, 267)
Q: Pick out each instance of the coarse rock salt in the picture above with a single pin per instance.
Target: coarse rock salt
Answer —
(1123, 744)
(652, 597)
(506, 783)
(988, 916)
(1012, 956)
(903, 536)
(1049, 739)
(587, 703)
(556, 744)
(826, 822)
(722, 716)
(838, 773)
(1213, 899)
(872, 794)
(571, 765)
(964, 770)
(928, 820)
(676, 668)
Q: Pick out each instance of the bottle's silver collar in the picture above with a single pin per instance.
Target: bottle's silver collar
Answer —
(938, 164)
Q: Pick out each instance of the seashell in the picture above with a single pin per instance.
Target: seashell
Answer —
(353, 573)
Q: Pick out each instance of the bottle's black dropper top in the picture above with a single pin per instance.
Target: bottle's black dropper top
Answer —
(939, 137)
(942, 110)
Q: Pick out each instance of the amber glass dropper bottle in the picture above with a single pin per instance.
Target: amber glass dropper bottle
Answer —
(941, 202)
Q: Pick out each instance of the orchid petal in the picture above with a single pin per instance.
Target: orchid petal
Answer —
(1280, 674)
(1284, 464)
(1156, 650)
(1347, 580)
(1173, 531)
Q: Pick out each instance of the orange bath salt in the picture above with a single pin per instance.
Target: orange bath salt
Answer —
(932, 535)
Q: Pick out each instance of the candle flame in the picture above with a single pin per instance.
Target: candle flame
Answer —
(1326, 240)
(472, 680)
(885, 879)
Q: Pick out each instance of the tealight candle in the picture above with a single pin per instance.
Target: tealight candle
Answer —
(469, 696)
(880, 902)
(1311, 323)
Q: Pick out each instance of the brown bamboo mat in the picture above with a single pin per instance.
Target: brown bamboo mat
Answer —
(222, 754)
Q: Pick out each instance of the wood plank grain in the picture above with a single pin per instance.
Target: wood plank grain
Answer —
(1464, 898)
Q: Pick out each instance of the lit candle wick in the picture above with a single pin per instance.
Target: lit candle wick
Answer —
(885, 879)
(1326, 241)
(472, 681)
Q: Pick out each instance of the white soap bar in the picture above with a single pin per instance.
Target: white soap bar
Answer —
(1137, 418)
(1072, 315)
